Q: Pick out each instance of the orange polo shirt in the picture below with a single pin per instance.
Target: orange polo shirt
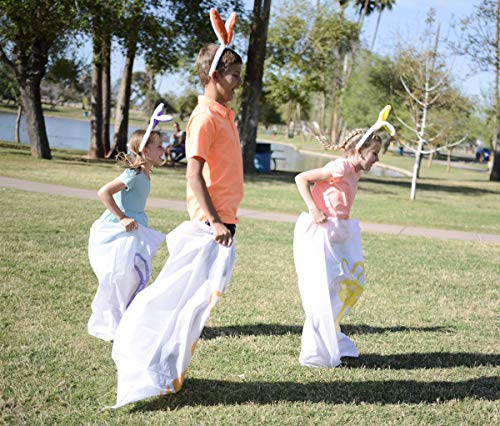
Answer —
(212, 135)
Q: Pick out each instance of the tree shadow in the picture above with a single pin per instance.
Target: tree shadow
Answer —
(280, 330)
(202, 392)
(428, 186)
(414, 361)
(273, 176)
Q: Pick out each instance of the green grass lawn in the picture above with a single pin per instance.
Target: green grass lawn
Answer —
(426, 328)
(460, 200)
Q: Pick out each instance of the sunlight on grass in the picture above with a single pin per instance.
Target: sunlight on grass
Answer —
(426, 328)
(462, 200)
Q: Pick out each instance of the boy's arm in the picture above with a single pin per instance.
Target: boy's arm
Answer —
(194, 176)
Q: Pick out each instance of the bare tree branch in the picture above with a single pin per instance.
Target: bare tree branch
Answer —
(437, 136)
(434, 99)
(445, 146)
(410, 93)
(406, 125)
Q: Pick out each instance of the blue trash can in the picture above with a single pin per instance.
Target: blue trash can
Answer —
(262, 159)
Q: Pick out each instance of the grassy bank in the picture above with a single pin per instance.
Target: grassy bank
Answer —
(137, 118)
(459, 200)
(426, 328)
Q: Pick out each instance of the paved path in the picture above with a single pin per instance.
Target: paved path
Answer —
(88, 194)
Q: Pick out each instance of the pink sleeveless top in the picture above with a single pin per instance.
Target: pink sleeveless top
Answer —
(336, 195)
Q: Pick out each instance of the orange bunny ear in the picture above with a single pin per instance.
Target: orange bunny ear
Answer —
(219, 27)
(231, 21)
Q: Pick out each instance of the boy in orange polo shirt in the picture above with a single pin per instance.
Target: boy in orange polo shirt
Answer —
(158, 333)
(215, 166)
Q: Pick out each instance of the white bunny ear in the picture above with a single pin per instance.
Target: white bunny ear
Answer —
(218, 26)
(224, 32)
(230, 23)
(164, 118)
(381, 122)
(156, 117)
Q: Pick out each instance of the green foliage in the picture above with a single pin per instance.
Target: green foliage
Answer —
(9, 88)
(306, 48)
(374, 83)
(479, 35)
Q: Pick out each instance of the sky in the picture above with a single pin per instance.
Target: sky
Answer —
(406, 21)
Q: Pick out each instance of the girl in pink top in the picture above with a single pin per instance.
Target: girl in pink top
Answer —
(327, 249)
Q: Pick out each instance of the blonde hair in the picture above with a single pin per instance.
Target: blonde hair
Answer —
(135, 160)
(205, 57)
(348, 144)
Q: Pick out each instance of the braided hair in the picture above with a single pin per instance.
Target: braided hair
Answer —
(348, 144)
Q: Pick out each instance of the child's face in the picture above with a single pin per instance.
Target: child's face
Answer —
(369, 156)
(227, 83)
(154, 152)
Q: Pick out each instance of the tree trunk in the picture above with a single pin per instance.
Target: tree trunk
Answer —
(416, 168)
(431, 157)
(376, 29)
(123, 104)
(252, 85)
(35, 123)
(495, 166)
(149, 102)
(96, 149)
(106, 89)
(18, 122)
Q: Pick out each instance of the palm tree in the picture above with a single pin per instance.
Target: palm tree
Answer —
(381, 6)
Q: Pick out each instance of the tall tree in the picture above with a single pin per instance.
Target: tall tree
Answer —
(131, 23)
(252, 84)
(482, 44)
(29, 30)
(169, 34)
(426, 83)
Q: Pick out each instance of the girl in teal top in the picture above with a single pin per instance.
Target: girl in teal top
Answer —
(125, 197)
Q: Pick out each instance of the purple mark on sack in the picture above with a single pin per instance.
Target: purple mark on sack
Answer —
(143, 279)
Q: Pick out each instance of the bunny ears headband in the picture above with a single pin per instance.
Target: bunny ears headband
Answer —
(224, 33)
(155, 119)
(381, 122)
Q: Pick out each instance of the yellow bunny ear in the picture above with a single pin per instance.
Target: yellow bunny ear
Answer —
(384, 114)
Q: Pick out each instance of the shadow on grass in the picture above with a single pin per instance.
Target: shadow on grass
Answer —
(201, 392)
(427, 186)
(414, 361)
(280, 330)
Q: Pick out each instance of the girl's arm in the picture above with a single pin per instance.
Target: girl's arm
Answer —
(304, 181)
(105, 194)
(195, 179)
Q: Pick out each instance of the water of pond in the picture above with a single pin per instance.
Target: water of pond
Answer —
(75, 134)
(286, 158)
(62, 132)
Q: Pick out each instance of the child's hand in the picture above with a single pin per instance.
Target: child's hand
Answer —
(222, 235)
(129, 224)
(317, 215)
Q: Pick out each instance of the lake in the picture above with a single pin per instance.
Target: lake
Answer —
(75, 134)
(287, 158)
(62, 132)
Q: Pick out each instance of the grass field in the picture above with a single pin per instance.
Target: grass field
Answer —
(426, 327)
(460, 200)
